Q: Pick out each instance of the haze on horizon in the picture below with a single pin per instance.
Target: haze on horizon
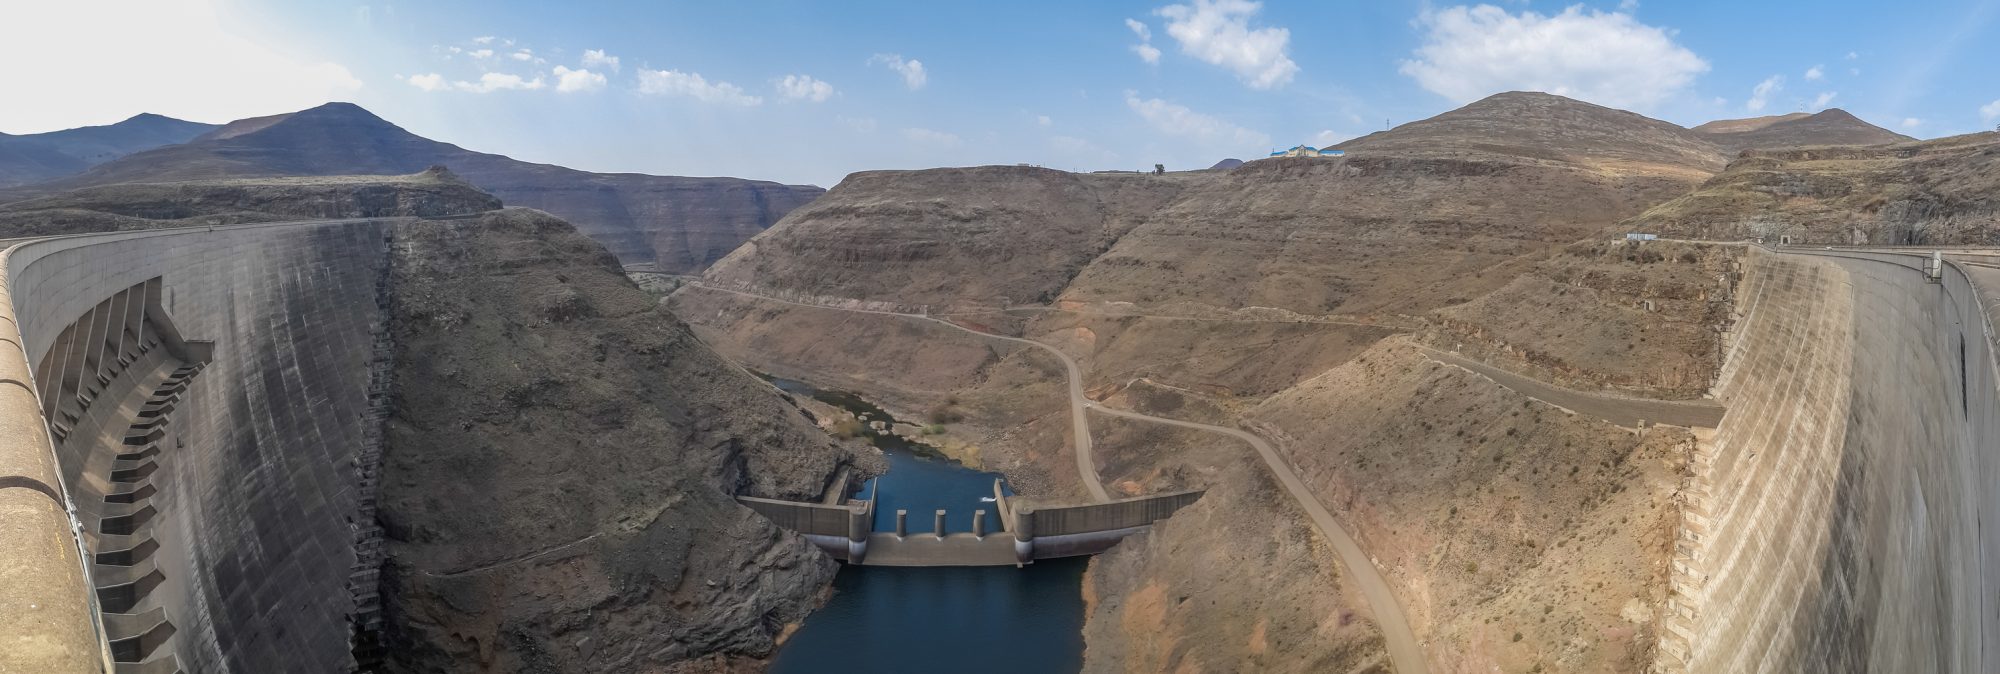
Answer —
(803, 93)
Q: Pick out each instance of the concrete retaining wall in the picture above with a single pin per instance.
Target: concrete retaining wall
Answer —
(1834, 523)
(258, 483)
(1059, 521)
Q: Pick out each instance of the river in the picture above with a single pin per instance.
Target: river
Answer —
(971, 620)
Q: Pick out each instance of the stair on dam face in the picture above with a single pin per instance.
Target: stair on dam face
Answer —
(137, 628)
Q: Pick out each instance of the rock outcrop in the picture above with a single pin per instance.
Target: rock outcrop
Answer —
(1928, 192)
(561, 466)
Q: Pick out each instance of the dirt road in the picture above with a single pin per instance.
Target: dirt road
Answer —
(1405, 652)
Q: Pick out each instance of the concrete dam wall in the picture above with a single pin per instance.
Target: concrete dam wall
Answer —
(214, 435)
(1835, 519)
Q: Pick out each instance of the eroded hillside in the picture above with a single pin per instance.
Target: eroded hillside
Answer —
(434, 192)
(561, 466)
(1938, 191)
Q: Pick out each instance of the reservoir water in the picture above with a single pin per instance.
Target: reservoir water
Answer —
(924, 620)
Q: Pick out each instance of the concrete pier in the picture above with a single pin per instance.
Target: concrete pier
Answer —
(979, 524)
(940, 525)
(902, 524)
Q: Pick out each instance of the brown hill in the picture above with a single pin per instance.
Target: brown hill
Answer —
(1832, 126)
(1747, 123)
(1531, 126)
(38, 157)
(681, 224)
(1937, 191)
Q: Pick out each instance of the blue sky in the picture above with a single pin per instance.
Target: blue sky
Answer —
(806, 92)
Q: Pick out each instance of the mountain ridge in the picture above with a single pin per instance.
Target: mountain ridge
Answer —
(679, 224)
(1832, 126)
(37, 157)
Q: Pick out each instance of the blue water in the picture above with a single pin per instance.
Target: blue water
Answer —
(1003, 620)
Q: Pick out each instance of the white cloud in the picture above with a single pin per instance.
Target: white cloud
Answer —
(1761, 94)
(1852, 55)
(912, 70)
(1990, 111)
(1145, 49)
(1605, 58)
(491, 82)
(1177, 120)
(480, 53)
(578, 80)
(1628, 6)
(522, 55)
(1218, 32)
(804, 88)
(929, 137)
(1140, 29)
(427, 82)
(597, 57)
(85, 63)
(483, 39)
(1824, 99)
(1816, 73)
(1044, 121)
(693, 85)
(1912, 122)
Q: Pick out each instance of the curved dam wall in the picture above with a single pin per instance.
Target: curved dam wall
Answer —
(259, 505)
(1834, 519)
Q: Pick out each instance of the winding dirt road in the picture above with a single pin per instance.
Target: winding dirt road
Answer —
(1405, 652)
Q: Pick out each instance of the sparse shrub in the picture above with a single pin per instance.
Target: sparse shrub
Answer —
(847, 428)
(934, 429)
(944, 414)
(1517, 636)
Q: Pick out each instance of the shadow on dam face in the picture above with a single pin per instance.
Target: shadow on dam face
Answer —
(1834, 522)
(215, 437)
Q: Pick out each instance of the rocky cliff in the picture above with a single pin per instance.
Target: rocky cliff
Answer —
(1937, 191)
(432, 193)
(681, 224)
(561, 465)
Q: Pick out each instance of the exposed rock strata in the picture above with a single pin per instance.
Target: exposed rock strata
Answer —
(561, 466)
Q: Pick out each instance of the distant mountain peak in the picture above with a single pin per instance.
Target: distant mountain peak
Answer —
(1832, 126)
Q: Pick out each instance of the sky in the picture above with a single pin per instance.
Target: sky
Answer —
(807, 92)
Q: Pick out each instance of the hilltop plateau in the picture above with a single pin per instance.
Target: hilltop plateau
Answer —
(679, 224)
(432, 193)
